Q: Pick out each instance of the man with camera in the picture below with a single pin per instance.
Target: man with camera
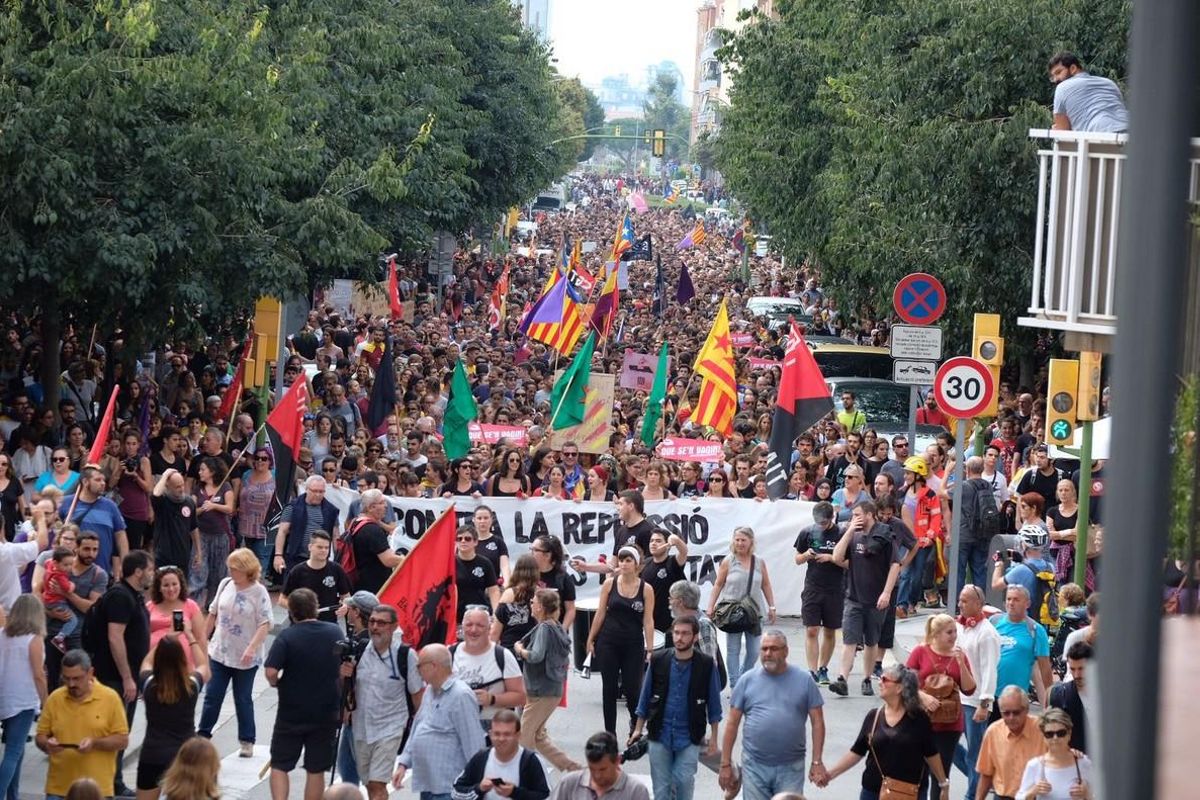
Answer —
(603, 776)
(303, 665)
(868, 552)
(491, 670)
(681, 696)
(505, 769)
(357, 610)
(386, 683)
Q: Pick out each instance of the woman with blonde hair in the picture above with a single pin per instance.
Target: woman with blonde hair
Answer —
(743, 574)
(943, 671)
(193, 773)
(22, 653)
(1060, 773)
(239, 618)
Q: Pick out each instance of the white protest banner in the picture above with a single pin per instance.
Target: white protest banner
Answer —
(637, 371)
(517, 435)
(586, 530)
(676, 449)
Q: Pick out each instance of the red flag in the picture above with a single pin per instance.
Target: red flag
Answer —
(422, 589)
(802, 401)
(394, 290)
(97, 451)
(285, 429)
(233, 394)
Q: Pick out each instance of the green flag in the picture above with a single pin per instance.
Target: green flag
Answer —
(460, 409)
(658, 395)
(568, 398)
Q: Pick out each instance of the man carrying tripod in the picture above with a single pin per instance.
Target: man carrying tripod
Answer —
(386, 682)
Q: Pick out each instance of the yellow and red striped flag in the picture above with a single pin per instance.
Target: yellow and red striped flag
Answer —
(555, 320)
(718, 389)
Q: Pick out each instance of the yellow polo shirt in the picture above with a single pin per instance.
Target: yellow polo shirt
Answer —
(1004, 754)
(70, 721)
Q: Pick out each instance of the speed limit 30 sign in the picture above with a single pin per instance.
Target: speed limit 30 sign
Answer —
(964, 387)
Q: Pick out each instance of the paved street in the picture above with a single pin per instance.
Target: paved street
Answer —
(246, 778)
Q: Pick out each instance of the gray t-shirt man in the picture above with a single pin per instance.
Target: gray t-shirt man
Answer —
(1091, 103)
(775, 714)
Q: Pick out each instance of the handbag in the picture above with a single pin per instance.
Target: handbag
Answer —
(943, 687)
(890, 788)
(741, 615)
(1171, 604)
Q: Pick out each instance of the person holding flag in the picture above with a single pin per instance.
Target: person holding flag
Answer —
(802, 401)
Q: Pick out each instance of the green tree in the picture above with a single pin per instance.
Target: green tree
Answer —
(663, 112)
(879, 137)
(582, 114)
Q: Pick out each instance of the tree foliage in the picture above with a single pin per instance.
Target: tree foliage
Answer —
(159, 160)
(881, 137)
(581, 114)
(662, 111)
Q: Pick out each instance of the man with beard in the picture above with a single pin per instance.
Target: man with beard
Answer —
(87, 717)
(175, 534)
(90, 582)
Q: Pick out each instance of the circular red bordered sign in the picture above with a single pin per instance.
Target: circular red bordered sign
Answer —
(919, 299)
(964, 387)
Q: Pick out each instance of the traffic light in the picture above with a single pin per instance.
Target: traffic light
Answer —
(616, 130)
(1062, 401)
(987, 346)
(268, 317)
(1089, 386)
(660, 143)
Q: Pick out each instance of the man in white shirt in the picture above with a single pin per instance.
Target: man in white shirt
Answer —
(991, 457)
(14, 557)
(980, 642)
(491, 670)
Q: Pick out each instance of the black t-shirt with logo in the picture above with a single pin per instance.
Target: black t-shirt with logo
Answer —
(871, 554)
(637, 534)
(330, 583)
(174, 521)
(823, 576)
(473, 579)
(660, 575)
(492, 548)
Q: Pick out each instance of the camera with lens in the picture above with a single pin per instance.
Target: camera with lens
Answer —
(1015, 556)
(350, 649)
(130, 464)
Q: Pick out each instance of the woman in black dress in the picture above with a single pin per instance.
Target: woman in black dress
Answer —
(896, 739)
(169, 692)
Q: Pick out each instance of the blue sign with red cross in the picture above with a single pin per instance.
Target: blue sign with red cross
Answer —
(919, 299)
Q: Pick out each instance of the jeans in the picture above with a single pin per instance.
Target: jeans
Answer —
(912, 577)
(966, 758)
(673, 771)
(737, 660)
(263, 548)
(435, 796)
(974, 554)
(867, 794)
(763, 781)
(347, 764)
(16, 728)
(243, 700)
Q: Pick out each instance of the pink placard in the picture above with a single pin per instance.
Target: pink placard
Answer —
(672, 449)
(741, 339)
(763, 363)
(492, 434)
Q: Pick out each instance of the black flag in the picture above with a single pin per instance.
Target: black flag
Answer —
(803, 400)
(659, 290)
(642, 250)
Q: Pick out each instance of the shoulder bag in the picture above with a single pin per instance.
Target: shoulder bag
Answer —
(942, 686)
(890, 788)
(741, 615)
(1171, 604)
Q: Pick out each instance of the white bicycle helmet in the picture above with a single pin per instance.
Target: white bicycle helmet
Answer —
(1034, 536)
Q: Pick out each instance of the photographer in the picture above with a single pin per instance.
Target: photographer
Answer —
(357, 610)
(505, 769)
(133, 481)
(386, 681)
(303, 664)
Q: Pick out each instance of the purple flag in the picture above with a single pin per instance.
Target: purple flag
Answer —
(686, 290)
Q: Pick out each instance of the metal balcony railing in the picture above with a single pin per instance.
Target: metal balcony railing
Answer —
(1077, 229)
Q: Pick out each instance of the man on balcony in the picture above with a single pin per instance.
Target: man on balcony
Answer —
(1085, 102)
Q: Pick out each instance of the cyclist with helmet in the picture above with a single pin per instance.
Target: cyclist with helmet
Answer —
(922, 513)
(1025, 565)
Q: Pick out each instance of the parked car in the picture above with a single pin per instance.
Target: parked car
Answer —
(886, 405)
(777, 310)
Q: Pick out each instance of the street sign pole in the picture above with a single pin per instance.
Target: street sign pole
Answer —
(1085, 506)
(960, 431)
(912, 420)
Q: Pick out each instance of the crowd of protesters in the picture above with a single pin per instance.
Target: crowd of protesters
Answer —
(176, 533)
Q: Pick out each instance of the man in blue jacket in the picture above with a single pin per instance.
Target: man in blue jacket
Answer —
(307, 513)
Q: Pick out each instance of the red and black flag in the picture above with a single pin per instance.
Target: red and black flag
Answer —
(422, 589)
(803, 400)
(383, 392)
(285, 429)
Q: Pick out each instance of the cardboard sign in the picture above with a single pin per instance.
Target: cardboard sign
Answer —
(763, 363)
(637, 371)
(702, 450)
(516, 435)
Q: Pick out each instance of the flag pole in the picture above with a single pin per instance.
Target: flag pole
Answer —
(241, 453)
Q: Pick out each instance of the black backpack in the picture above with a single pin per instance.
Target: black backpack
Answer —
(497, 651)
(989, 521)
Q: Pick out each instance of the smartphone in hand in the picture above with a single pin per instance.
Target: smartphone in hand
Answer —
(177, 621)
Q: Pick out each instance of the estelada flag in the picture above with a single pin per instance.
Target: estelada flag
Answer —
(285, 429)
(422, 588)
(802, 401)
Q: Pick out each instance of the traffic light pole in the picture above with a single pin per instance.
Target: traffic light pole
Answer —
(1085, 505)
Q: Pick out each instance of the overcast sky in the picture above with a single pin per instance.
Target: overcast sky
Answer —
(597, 38)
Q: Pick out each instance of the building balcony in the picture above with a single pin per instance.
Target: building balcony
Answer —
(1077, 231)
